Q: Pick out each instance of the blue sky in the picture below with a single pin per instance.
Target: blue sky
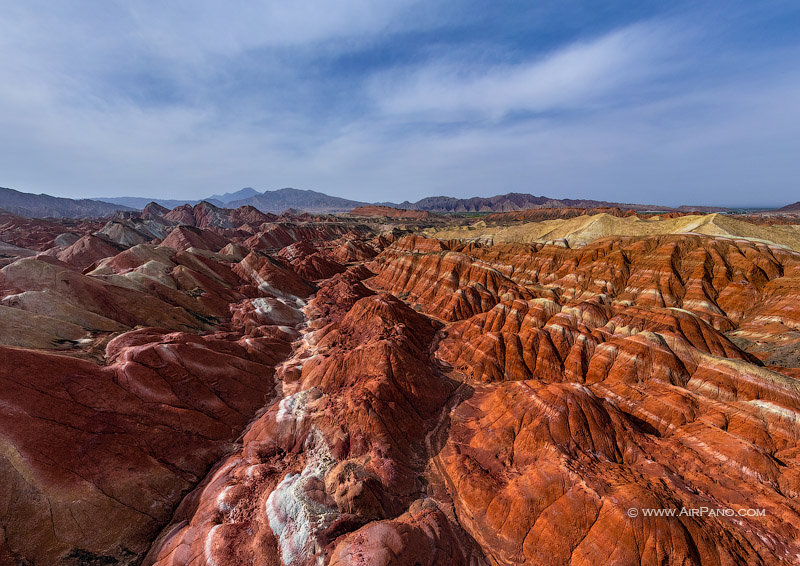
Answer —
(659, 102)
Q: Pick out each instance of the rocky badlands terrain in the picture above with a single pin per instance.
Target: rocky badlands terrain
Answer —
(228, 387)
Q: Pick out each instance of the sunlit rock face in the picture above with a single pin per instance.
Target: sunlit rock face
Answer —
(343, 448)
(602, 380)
(239, 390)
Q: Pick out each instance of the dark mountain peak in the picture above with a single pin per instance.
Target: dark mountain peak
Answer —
(497, 203)
(301, 199)
(293, 191)
(244, 193)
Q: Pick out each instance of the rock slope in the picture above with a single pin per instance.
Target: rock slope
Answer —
(571, 228)
(242, 390)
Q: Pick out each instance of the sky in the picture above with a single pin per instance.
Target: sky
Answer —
(680, 102)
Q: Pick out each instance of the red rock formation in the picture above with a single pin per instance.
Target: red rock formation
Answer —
(185, 237)
(92, 469)
(271, 276)
(154, 211)
(207, 216)
(199, 284)
(389, 212)
(338, 451)
(443, 403)
(541, 214)
(202, 215)
(127, 306)
(88, 250)
(663, 412)
(250, 215)
(447, 284)
(352, 250)
(308, 262)
(39, 234)
(275, 236)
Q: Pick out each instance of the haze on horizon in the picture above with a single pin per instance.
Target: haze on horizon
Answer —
(669, 103)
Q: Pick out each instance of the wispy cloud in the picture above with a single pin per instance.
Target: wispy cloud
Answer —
(579, 76)
(395, 100)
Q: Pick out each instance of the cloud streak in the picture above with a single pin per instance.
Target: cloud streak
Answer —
(579, 76)
(388, 101)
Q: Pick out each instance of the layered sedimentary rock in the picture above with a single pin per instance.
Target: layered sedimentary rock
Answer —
(576, 227)
(87, 250)
(311, 392)
(206, 215)
(620, 391)
(40, 234)
(340, 455)
(389, 212)
(95, 458)
(10, 253)
(274, 236)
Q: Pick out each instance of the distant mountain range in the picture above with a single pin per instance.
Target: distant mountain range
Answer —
(275, 202)
(313, 201)
(309, 201)
(268, 201)
(43, 206)
(138, 203)
(217, 200)
(521, 201)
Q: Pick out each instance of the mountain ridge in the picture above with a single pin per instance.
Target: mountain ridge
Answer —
(241, 194)
(312, 201)
(43, 205)
(317, 202)
(138, 203)
(308, 200)
(794, 207)
(510, 202)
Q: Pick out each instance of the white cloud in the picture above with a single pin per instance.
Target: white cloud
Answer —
(603, 117)
(191, 30)
(580, 75)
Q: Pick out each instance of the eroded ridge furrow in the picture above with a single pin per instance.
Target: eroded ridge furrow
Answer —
(132, 359)
(604, 422)
(223, 507)
(296, 391)
(333, 471)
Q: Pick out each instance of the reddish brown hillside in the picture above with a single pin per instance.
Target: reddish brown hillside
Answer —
(389, 212)
(540, 214)
(311, 392)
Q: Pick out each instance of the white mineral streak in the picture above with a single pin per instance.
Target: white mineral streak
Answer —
(293, 516)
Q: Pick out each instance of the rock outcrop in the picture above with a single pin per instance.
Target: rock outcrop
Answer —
(389, 212)
(310, 391)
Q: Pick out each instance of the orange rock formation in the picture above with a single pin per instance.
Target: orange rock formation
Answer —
(244, 391)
